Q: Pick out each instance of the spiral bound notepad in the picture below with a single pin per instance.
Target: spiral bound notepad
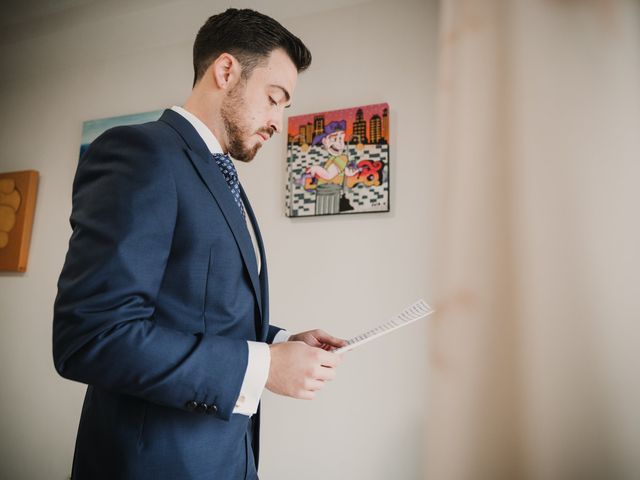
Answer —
(414, 312)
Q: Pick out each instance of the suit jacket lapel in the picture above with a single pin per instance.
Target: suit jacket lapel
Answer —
(217, 185)
(264, 283)
(210, 174)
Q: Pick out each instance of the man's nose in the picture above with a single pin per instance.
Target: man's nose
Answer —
(276, 121)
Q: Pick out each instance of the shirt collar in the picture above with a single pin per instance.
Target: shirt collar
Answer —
(207, 135)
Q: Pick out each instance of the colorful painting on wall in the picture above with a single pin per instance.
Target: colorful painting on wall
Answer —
(338, 162)
(92, 129)
(17, 206)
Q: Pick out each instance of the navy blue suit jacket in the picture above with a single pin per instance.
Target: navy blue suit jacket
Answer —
(157, 298)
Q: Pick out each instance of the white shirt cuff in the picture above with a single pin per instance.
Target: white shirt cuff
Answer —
(281, 336)
(255, 378)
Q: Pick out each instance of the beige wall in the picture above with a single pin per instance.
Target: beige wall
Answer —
(341, 274)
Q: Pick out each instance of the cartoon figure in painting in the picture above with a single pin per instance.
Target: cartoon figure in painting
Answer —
(329, 178)
(334, 169)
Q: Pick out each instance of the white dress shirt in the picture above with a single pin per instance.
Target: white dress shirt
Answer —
(255, 378)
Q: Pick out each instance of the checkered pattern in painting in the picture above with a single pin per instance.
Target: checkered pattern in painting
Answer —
(300, 202)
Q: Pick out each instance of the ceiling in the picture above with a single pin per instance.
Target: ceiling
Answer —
(24, 19)
(26, 11)
(21, 19)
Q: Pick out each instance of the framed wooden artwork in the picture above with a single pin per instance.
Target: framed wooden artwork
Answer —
(338, 162)
(17, 206)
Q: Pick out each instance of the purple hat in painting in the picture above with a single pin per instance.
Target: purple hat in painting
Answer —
(329, 128)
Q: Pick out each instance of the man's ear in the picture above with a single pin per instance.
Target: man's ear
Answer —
(225, 70)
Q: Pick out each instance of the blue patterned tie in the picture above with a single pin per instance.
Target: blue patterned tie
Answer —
(231, 176)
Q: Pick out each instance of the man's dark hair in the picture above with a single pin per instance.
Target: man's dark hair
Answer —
(249, 36)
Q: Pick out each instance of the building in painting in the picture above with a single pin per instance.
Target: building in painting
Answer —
(385, 126)
(375, 129)
(359, 128)
(309, 134)
(302, 136)
(305, 134)
(318, 125)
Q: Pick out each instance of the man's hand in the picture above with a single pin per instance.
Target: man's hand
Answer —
(319, 339)
(298, 370)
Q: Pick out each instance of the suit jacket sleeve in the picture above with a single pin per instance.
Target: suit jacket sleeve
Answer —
(104, 333)
(273, 331)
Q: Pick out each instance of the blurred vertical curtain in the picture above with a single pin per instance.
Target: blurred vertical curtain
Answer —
(534, 350)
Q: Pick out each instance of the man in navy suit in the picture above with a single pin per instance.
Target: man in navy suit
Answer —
(162, 305)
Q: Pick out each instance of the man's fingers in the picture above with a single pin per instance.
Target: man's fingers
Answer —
(306, 395)
(329, 359)
(298, 370)
(325, 338)
(326, 374)
(314, 385)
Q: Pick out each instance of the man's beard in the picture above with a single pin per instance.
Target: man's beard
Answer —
(231, 112)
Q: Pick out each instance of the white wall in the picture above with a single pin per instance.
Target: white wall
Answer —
(343, 274)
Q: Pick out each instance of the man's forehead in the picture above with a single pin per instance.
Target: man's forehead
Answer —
(280, 71)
